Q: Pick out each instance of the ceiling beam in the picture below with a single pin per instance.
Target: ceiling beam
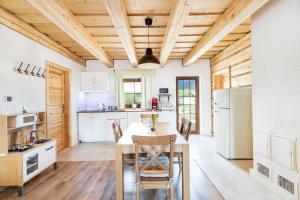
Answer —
(13, 22)
(234, 15)
(117, 12)
(58, 14)
(179, 12)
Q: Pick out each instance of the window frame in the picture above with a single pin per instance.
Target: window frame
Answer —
(132, 80)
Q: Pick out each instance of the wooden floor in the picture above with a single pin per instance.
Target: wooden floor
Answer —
(86, 171)
(96, 180)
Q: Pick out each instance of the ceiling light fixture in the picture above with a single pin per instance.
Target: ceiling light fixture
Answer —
(149, 61)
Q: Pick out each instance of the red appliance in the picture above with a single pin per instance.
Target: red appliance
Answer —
(154, 102)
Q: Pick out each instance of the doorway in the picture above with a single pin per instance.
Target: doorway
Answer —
(58, 104)
(187, 101)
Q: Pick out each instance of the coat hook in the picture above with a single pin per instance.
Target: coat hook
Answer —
(32, 71)
(26, 70)
(38, 73)
(19, 69)
(43, 75)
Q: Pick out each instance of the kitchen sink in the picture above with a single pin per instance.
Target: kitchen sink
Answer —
(41, 141)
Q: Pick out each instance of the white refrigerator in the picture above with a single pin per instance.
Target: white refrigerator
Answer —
(233, 123)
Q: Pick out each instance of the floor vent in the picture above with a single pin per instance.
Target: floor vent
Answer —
(263, 170)
(286, 184)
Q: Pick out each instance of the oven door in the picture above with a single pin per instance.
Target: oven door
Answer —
(30, 165)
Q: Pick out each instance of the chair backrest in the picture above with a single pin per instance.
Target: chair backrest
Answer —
(154, 147)
(148, 116)
(185, 128)
(117, 130)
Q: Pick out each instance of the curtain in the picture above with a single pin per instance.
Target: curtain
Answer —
(146, 77)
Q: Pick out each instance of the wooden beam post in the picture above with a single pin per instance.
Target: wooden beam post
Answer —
(13, 22)
(234, 15)
(117, 12)
(57, 13)
(179, 12)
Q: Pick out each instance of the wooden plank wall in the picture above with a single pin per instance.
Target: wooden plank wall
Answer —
(232, 67)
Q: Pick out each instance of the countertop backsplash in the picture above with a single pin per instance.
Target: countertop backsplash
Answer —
(92, 100)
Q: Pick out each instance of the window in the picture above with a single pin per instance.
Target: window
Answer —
(132, 92)
(187, 98)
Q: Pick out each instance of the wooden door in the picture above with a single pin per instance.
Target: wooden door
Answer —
(57, 108)
(187, 101)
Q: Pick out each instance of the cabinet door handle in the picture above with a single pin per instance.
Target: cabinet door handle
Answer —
(49, 148)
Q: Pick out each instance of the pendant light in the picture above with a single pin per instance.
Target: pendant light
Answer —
(149, 61)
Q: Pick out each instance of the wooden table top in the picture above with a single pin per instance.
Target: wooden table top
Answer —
(139, 128)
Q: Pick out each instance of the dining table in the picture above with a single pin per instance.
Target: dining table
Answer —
(126, 146)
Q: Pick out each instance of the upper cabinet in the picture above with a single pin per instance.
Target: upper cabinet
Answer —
(94, 81)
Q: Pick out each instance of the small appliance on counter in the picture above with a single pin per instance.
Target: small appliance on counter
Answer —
(154, 103)
(164, 99)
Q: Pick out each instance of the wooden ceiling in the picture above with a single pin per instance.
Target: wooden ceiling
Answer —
(96, 20)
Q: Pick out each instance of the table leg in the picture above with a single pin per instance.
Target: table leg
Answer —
(186, 173)
(119, 173)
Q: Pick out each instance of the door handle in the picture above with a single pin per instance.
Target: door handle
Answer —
(47, 149)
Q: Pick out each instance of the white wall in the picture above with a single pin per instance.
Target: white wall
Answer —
(276, 75)
(166, 77)
(29, 91)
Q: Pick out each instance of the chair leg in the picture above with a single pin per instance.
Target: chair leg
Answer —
(137, 192)
(171, 193)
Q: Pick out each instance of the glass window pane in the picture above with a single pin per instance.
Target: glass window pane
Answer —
(180, 109)
(180, 100)
(193, 100)
(180, 88)
(193, 86)
(129, 87)
(193, 109)
(138, 87)
(187, 100)
(128, 98)
(138, 98)
(186, 85)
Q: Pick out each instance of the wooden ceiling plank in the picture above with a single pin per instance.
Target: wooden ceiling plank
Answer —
(65, 20)
(180, 11)
(22, 27)
(117, 12)
(235, 14)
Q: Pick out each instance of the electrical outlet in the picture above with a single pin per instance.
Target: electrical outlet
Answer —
(8, 99)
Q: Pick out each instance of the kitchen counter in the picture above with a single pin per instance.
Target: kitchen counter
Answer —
(123, 110)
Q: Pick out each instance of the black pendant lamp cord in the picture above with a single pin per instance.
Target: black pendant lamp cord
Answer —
(148, 35)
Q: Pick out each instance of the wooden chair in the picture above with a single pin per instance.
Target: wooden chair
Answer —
(156, 173)
(117, 130)
(148, 117)
(185, 131)
(128, 159)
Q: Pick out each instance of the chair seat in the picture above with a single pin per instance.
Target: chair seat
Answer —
(155, 182)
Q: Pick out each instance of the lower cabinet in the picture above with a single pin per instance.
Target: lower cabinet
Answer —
(168, 116)
(97, 127)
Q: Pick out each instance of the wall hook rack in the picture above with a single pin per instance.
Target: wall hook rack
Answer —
(31, 72)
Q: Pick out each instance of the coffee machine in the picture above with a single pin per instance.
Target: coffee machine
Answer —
(154, 103)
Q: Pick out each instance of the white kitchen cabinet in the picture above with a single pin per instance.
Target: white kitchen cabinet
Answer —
(38, 159)
(134, 117)
(95, 127)
(168, 116)
(94, 81)
(85, 127)
(101, 129)
(47, 155)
